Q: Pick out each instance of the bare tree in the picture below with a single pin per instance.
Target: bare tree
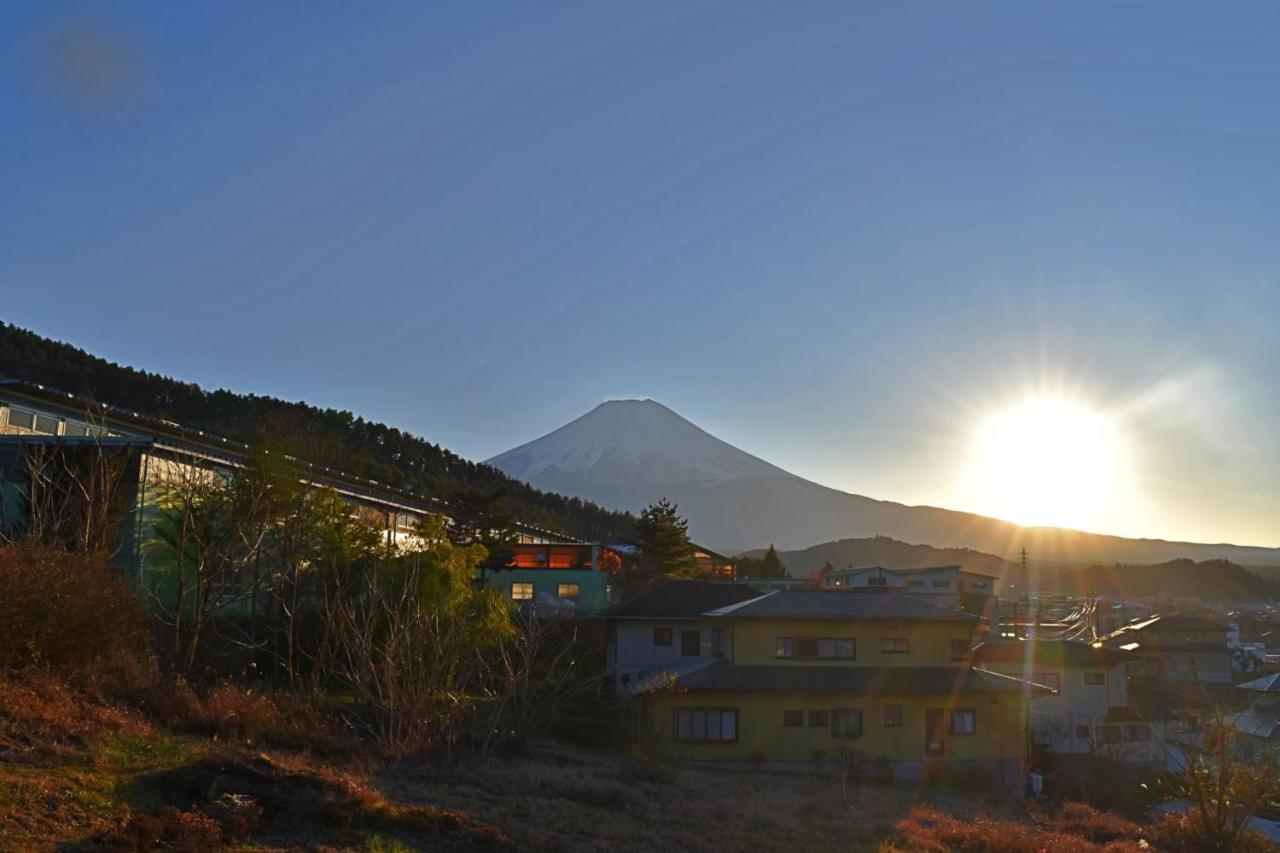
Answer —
(210, 526)
(542, 670)
(76, 495)
(410, 643)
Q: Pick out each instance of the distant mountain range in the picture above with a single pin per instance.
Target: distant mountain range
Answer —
(890, 553)
(1218, 580)
(625, 453)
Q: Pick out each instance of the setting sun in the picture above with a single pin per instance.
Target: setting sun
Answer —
(1047, 460)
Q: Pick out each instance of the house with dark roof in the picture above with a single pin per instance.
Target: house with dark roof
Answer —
(1176, 648)
(814, 678)
(664, 632)
(1089, 709)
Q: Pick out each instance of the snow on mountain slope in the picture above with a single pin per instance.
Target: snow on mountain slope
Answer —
(632, 441)
(623, 454)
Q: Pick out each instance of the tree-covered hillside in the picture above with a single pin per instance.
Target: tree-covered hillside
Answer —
(338, 439)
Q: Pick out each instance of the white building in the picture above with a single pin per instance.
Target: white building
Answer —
(1090, 711)
(663, 631)
(950, 582)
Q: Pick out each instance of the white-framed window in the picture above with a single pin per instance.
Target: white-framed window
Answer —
(567, 590)
(662, 636)
(962, 721)
(521, 591)
(895, 646)
(706, 725)
(785, 648)
(846, 722)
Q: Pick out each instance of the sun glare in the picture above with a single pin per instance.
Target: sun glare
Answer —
(1047, 460)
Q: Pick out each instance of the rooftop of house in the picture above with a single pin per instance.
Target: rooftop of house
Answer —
(1174, 622)
(680, 599)
(1040, 653)
(722, 675)
(1265, 684)
(838, 604)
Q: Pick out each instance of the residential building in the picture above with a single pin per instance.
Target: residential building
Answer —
(713, 565)
(554, 576)
(808, 678)
(663, 632)
(156, 456)
(1259, 723)
(1090, 710)
(1176, 648)
(949, 586)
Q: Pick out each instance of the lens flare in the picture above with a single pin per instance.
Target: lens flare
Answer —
(1047, 460)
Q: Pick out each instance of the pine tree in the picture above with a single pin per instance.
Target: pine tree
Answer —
(771, 564)
(665, 550)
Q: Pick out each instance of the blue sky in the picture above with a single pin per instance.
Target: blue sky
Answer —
(836, 235)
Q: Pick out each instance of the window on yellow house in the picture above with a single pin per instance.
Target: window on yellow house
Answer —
(522, 592)
(709, 725)
(895, 646)
(846, 722)
(962, 722)
(1046, 679)
(815, 648)
(792, 719)
(893, 716)
(819, 718)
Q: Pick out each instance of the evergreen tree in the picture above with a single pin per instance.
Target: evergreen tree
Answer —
(771, 565)
(665, 550)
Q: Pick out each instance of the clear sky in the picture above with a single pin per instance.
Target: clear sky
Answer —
(841, 236)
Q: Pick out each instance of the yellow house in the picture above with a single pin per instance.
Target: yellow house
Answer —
(811, 677)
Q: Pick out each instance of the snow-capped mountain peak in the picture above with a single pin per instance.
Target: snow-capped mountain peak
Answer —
(633, 441)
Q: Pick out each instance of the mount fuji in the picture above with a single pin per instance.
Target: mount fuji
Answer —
(624, 454)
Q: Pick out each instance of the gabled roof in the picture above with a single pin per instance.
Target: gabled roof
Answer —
(857, 570)
(840, 604)
(680, 599)
(1265, 684)
(790, 678)
(1038, 653)
(1174, 622)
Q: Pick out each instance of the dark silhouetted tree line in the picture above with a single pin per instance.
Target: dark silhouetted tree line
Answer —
(330, 437)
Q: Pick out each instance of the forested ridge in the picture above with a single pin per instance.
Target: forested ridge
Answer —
(338, 439)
